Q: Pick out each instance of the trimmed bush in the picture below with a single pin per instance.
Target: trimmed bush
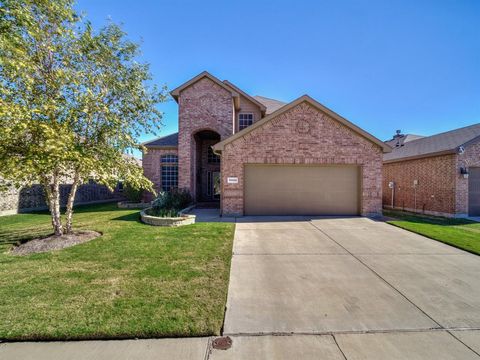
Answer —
(169, 203)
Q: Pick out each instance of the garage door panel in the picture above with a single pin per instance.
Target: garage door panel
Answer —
(474, 191)
(301, 190)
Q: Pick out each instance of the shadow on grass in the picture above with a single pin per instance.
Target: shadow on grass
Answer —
(129, 217)
(426, 219)
(85, 208)
(21, 236)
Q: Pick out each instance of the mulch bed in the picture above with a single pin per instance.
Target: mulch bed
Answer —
(54, 242)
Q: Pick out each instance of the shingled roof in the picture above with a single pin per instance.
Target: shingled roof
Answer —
(399, 140)
(168, 141)
(272, 105)
(443, 143)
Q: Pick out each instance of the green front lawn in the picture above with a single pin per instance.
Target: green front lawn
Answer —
(461, 233)
(134, 281)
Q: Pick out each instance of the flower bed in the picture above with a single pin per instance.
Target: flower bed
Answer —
(182, 219)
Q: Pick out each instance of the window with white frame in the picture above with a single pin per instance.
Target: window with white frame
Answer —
(244, 120)
(169, 172)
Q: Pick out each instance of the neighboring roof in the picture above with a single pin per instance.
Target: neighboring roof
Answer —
(135, 159)
(305, 98)
(399, 140)
(176, 92)
(262, 107)
(168, 141)
(444, 143)
(272, 105)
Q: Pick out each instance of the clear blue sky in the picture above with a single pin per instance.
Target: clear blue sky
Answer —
(412, 65)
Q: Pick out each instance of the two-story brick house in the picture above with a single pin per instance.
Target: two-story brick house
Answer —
(259, 156)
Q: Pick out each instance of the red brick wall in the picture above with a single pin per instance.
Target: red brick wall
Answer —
(470, 158)
(202, 106)
(152, 168)
(302, 135)
(435, 192)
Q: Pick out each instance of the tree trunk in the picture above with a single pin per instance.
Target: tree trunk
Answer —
(53, 196)
(71, 200)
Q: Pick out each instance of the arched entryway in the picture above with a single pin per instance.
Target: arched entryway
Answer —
(207, 168)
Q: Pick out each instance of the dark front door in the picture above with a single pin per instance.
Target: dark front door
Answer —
(474, 191)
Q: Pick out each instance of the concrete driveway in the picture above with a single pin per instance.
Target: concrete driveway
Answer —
(367, 289)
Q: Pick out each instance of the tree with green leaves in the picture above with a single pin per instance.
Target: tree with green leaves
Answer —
(73, 101)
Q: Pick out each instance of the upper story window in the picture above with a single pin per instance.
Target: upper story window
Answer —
(244, 120)
(169, 172)
(212, 158)
(169, 158)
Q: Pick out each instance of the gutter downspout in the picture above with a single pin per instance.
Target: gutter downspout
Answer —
(393, 195)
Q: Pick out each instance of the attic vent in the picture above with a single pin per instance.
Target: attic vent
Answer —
(398, 134)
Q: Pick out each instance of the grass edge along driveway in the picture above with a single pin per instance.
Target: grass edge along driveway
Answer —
(461, 233)
(135, 281)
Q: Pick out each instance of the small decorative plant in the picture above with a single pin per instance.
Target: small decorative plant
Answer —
(169, 203)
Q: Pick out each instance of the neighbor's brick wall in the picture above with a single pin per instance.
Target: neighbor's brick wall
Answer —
(303, 135)
(470, 158)
(435, 191)
(202, 106)
(16, 200)
(151, 163)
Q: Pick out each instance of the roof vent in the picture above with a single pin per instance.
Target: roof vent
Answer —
(398, 134)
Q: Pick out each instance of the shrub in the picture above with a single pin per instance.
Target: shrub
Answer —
(132, 195)
(169, 203)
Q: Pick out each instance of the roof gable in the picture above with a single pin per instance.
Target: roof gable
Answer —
(176, 92)
(262, 107)
(305, 98)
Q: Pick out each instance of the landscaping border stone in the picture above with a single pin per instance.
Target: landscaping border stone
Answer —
(183, 219)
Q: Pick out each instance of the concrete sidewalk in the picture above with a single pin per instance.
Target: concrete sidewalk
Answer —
(172, 349)
(425, 345)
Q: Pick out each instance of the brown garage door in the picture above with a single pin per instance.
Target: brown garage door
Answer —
(301, 190)
(474, 191)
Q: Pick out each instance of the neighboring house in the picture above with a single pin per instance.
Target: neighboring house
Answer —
(259, 156)
(437, 175)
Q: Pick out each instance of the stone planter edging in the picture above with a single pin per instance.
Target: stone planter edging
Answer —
(184, 219)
